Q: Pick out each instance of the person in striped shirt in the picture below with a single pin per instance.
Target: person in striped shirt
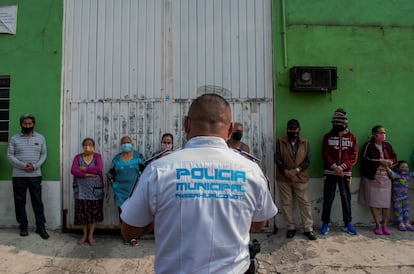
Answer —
(26, 153)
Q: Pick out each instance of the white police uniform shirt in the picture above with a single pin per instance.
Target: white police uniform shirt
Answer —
(202, 200)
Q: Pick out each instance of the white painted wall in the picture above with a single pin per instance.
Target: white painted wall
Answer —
(52, 202)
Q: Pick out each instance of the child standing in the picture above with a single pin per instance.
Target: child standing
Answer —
(400, 201)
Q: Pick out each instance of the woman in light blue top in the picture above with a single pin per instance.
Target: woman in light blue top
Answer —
(124, 172)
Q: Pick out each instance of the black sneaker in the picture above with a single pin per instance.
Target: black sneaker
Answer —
(24, 232)
(43, 234)
(290, 233)
(311, 236)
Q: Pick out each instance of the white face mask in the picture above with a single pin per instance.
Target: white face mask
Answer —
(166, 146)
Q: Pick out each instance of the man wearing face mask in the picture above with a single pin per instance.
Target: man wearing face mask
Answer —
(340, 154)
(292, 158)
(235, 140)
(26, 153)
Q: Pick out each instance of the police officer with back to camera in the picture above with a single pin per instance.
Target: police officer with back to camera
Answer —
(206, 191)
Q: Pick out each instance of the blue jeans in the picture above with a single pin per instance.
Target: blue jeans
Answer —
(329, 190)
(20, 186)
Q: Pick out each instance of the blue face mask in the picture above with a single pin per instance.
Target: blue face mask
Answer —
(126, 147)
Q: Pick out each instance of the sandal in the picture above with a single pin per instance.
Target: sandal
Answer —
(133, 242)
(81, 241)
(378, 230)
(92, 242)
(408, 227)
(402, 227)
(386, 230)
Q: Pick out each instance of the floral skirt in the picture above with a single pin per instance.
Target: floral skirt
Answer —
(88, 211)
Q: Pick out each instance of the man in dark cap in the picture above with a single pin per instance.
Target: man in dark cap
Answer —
(340, 154)
(293, 159)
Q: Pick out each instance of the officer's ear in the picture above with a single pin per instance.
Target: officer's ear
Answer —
(186, 124)
(230, 131)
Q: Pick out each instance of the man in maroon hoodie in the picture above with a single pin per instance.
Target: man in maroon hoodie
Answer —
(340, 154)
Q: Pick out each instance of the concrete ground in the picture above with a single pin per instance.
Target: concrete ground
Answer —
(335, 253)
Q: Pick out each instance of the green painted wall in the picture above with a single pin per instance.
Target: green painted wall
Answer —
(371, 42)
(32, 58)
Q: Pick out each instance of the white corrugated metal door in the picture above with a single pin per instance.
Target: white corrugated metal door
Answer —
(132, 67)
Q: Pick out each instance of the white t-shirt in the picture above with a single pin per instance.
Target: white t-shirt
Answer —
(202, 200)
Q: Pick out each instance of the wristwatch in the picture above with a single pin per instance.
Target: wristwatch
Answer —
(297, 170)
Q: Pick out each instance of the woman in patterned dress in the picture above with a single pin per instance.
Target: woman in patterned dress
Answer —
(88, 190)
